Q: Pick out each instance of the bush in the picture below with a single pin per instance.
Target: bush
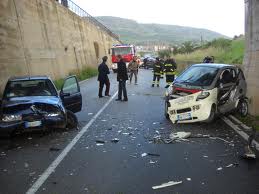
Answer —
(85, 73)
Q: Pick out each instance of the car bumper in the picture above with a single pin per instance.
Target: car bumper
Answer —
(189, 110)
(20, 126)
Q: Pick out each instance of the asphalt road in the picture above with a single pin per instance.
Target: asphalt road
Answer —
(200, 163)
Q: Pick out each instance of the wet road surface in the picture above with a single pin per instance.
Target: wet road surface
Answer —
(203, 164)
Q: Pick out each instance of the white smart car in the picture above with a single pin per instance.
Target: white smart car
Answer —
(204, 90)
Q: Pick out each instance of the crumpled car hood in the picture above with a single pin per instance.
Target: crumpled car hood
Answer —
(19, 104)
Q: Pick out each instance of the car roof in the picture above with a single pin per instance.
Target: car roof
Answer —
(26, 78)
(215, 65)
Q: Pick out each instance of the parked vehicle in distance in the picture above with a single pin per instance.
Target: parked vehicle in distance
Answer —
(204, 90)
(127, 51)
(31, 103)
(148, 63)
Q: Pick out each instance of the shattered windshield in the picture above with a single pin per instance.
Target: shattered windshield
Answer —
(29, 88)
(198, 76)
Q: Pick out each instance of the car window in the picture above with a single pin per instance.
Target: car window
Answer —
(228, 76)
(121, 51)
(41, 87)
(70, 86)
(198, 76)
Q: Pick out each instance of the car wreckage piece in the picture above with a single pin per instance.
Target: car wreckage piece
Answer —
(204, 90)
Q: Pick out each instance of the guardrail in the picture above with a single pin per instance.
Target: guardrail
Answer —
(82, 13)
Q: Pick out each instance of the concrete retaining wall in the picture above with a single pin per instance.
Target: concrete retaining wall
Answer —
(41, 37)
(251, 59)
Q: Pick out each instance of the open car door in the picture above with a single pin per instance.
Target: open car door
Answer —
(71, 95)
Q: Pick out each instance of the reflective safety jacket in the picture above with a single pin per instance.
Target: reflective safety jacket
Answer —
(170, 67)
(157, 68)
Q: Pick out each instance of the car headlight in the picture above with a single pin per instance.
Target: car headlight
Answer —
(10, 118)
(53, 114)
(202, 95)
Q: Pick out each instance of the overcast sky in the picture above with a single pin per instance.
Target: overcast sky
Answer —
(223, 16)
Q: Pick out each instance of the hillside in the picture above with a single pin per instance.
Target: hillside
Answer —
(132, 32)
(230, 53)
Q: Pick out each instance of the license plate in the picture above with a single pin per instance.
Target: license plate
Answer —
(33, 124)
(184, 116)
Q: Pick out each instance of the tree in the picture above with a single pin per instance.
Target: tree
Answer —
(165, 53)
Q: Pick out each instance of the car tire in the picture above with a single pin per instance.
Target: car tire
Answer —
(242, 107)
(72, 121)
(166, 110)
(212, 114)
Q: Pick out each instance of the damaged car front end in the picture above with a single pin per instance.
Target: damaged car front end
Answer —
(25, 113)
(33, 103)
(204, 90)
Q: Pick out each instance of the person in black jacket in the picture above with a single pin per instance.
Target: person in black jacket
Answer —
(122, 76)
(103, 78)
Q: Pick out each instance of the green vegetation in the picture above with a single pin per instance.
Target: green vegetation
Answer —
(164, 53)
(141, 34)
(85, 73)
(249, 120)
(224, 51)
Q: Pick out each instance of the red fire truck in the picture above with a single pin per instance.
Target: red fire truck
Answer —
(127, 51)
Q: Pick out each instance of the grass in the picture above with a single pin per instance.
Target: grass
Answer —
(233, 54)
(249, 120)
(84, 74)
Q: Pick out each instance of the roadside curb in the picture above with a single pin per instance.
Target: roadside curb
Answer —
(237, 129)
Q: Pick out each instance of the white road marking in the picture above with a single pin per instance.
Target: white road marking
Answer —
(44, 176)
(239, 131)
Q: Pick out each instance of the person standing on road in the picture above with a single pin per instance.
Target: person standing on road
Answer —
(122, 77)
(133, 69)
(157, 68)
(169, 70)
(103, 77)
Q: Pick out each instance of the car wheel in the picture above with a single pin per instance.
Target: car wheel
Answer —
(212, 114)
(166, 109)
(72, 121)
(243, 108)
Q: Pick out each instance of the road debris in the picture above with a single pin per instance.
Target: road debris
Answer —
(54, 149)
(205, 156)
(220, 168)
(170, 183)
(144, 154)
(180, 135)
(26, 165)
(115, 140)
(249, 154)
(90, 113)
(100, 141)
(99, 144)
(103, 120)
(29, 138)
(32, 173)
(152, 162)
(151, 154)
(230, 143)
(232, 165)
(188, 179)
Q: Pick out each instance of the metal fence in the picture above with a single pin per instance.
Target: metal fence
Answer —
(82, 13)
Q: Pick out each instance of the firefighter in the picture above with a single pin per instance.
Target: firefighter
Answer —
(157, 68)
(169, 70)
(162, 69)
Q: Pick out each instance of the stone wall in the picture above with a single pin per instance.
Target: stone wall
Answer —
(251, 59)
(42, 37)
